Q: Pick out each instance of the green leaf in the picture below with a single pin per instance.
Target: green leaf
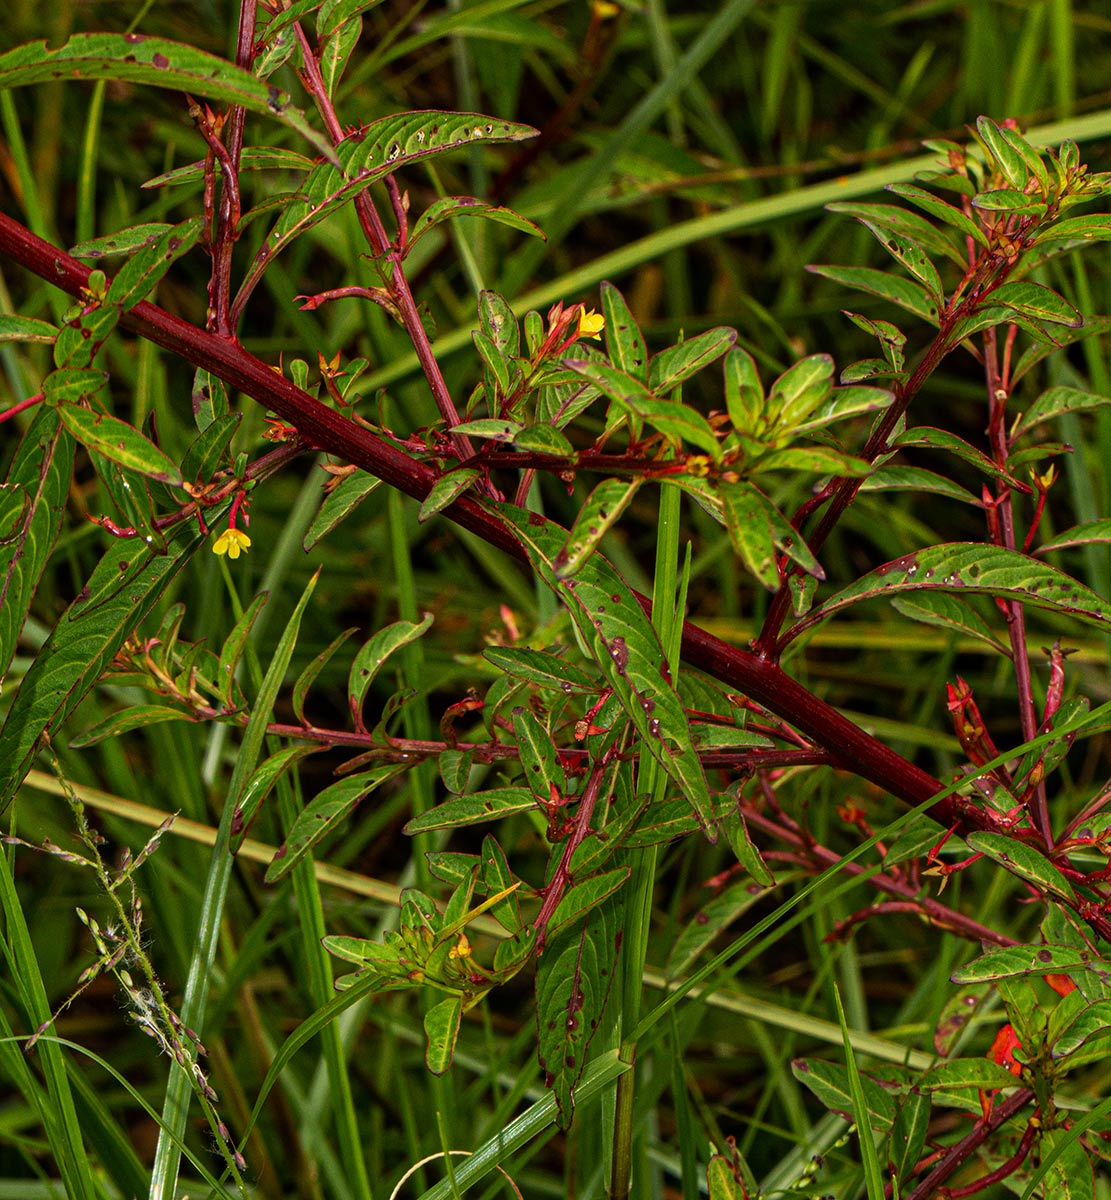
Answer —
(1096, 227)
(35, 500)
(906, 293)
(942, 439)
(948, 612)
(120, 442)
(495, 429)
(1089, 532)
(210, 448)
(497, 877)
(584, 897)
(830, 1083)
(710, 920)
(624, 341)
(158, 62)
(1037, 303)
(676, 364)
(977, 568)
(756, 528)
(138, 716)
(1010, 961)
(844, 403)
(368, 662)
(538, 756)
(1009, 201)
(596, 518)
(744, 392)
(450, 207)
(800, 390)
(497, 369)
(539, 667)
(980, 1073)
(544, 439)
(621, 640)
(822, 459)
(1012, 165)
(123, 588)
(253, 158)
(1025, 862)
(892, 478)
(259, 786)
(139, 275)
(499, 323)
(908, 1135)
(326, 812)
(916, 262)
(880, 219)
(672, 419)
(375, 151)
(441, 1028)
(26, 329)
(1054, 402)
(234, 645)
(936, 207)
(338, 505)
(472, 809)
(446, 490)
(1091, 1019)
(573, 981)
(1070, 1174)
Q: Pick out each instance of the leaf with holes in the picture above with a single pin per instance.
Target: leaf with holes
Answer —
(597, 516)
(621, 640)
(573, 981)
(158, 62)
(368, 662)
(973, 567)
(326, 812)
(624, 341)
(1011, 961)
(373, 152)
(451, 207)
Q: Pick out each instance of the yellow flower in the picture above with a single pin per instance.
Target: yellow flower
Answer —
(591, 323)
(231, 542)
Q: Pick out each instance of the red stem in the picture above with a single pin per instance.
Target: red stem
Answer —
(754, 676)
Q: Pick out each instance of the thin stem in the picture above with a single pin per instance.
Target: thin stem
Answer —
(1013, 611)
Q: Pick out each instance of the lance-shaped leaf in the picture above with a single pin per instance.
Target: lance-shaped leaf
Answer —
(123, 588)
(1024, 861)
(621, 640)
(972, 567)
(597, 516)
(35, 500)
(830, 1083)
(253, 158)
(26, 329)
(381, 148)
(259, 787)
(624, 341)
(676, 364)
(949, 612)
(441, 1028)
(1013, 165)
(467, 206)
(1010, 961)
(802, 388)
(120, 442)
(673, 420)
(1037, 303)
(942, 439)
(939, 208)
(1088, 533)
(158, 62)
(744, 392)
(446, 490)
(916, 261)
(584, 897)
(757, 528)
(893, 478)
(538, 756)
(906, 293)
(324, 813)
(137, 716)
(472, 809)
(135, 280)
(368, 662)
(1093, 228)
(883, 219)
(541, 668)
(339, 505)
(1054, 402)
(573, 981)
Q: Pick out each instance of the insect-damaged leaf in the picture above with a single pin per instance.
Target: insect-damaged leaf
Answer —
(1023, 861)
(379, 149)
(120, 442)
(973, 567)
(1010, 961)
(621, 640)
(158, 62)
(573, 980)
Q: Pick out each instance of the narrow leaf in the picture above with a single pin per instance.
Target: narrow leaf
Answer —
(541, 668)
(906, 293)
(472, 809)
(976, 568)
(1054, 402)
(624, 341)
(1024, 861)
(1036, 302)
(339, 505)
(939, 208)
(678, 363)
(948, 612)
(1010, 961)
(450, 207)
(441, 1028)
(596, 518)
(368, 662)
(446, 490)
(120, 442)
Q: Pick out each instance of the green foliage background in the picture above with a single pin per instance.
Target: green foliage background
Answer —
(688, 156)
